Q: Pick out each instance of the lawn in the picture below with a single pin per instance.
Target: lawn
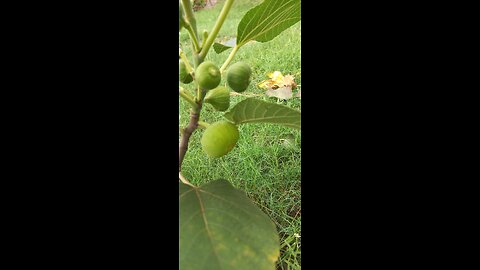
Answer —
(263, 163)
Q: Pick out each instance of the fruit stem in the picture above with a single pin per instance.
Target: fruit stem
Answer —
(189, 98)
(202, 124)
(229, 59)
(200, 95)
(216, 28)
(185, 60)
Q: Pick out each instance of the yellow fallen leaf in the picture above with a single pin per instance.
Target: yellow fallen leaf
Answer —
(276, 76)
(264, 84)
(278, 80)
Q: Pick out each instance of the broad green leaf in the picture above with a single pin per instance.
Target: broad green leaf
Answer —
(218, 47)
(253, 110)
(267, 20)
(221, 228)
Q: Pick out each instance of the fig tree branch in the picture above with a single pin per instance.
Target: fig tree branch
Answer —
(185, 60)
(190, 30)
(187, 132)
(200, 95)
(189, 98)
(229, 59)
(216, 28)
(191, 25)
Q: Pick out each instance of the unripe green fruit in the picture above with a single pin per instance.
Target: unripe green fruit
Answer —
(208, 75)
(238, 76)
(219, 98)
(219, 138)
(183, 75)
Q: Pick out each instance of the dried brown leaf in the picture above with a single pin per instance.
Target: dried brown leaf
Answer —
(280, 93)
(288, 80)
(299, 94)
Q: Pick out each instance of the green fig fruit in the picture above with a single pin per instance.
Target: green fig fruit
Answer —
(219, 98)
(238, 76)
(219, 138)
(208, 75)
(183, 75)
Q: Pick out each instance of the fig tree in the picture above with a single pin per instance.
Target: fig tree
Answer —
(207, 75)
(238, 76)
(183, 75)
(219, 98)
(219, 138)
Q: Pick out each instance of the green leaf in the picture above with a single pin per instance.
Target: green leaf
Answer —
(253, 110)
(267, 20)
(225, 45)
(220, 228)
(220, 47)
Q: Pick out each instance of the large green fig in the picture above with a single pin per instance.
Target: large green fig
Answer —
(238, 76)
(183, 75)
(219, 138)
(208, 75)
(219, 98)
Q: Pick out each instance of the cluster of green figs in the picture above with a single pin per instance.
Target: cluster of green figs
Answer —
(208, 77)
(220, 137)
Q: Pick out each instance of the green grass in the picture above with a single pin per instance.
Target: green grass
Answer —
(261, 164)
